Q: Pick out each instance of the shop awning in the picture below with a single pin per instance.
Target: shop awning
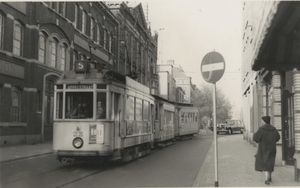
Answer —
(280, 45)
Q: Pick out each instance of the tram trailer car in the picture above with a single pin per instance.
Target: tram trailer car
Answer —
(101, 115)
(187, 121)
(164, 126)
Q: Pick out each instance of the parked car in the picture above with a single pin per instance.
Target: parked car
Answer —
(230, 126)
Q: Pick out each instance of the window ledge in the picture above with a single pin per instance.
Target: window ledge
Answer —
(13, 124)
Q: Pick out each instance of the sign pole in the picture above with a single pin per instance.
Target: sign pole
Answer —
(212, 70)
(215, 134)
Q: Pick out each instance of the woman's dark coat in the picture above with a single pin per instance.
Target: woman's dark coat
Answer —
(266, 137)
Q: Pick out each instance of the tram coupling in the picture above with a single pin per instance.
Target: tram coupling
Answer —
(67, 160)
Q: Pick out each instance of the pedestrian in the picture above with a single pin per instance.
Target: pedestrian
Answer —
(266, 137)
(100, 111)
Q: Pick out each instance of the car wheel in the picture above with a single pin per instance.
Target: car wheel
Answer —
(229, 131)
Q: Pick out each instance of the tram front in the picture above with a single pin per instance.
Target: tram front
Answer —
(84, 122)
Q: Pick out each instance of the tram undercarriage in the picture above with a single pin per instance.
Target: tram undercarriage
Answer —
(124, 155)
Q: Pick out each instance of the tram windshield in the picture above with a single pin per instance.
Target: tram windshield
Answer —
(79, 105)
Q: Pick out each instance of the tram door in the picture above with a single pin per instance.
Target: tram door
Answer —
(117, 118)
(288, 128)
(48, 109)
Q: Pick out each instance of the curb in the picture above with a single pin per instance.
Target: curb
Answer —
(26, 157)
(201, 176)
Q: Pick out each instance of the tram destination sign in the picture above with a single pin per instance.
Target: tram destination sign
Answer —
(212, 67)
(81, 86)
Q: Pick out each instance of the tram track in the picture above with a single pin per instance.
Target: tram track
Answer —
(52, 178)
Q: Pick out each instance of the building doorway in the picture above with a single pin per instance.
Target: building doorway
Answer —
(48, 103)
(288, 127)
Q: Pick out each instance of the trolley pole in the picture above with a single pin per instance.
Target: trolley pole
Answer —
(215, 134)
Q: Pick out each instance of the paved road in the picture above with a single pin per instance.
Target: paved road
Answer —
(174, 166)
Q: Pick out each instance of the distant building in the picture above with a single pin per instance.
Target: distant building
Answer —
(183, 81)
(167, 84)
(180, 95)
(137, 47)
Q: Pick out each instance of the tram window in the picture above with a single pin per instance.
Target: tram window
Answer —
(130, 108)
(156, 111)
(146, 111)
(101, 105)
(139, 109)
(59, 105)
(79, 105)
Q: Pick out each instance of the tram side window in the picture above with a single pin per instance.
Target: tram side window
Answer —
(59, 105)
(168, 117)
(182, 117)
(146, 111)
(139, 109)
(79, 105)
(129, 108)
(101, 105)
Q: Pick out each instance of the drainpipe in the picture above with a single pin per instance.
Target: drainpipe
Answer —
(283, 115)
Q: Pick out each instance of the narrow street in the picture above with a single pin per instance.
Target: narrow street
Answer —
(174, 166)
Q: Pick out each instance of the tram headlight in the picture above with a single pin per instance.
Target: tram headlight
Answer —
(77, 142)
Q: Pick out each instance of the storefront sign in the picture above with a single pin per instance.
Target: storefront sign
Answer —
(86, 86)
(11, 69)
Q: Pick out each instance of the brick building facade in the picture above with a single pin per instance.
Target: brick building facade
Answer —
(38, 41)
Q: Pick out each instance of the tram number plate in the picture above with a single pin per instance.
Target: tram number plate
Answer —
(77, 133)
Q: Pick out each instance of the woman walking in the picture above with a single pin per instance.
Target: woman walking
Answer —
(266, 137)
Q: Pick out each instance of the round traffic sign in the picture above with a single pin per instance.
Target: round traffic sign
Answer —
(212, 67)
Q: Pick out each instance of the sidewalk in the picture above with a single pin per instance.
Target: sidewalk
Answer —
(11, 153)
(236, 167)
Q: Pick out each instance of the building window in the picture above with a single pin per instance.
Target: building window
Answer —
(109, 42)
(75, 57)
(98, 35)
(18, 38)
(104, 39)
(15, 104)
(83, 57)
(1, 31)
(63, 50)
(84, 17)
(52, 52)
(42, 48)
(92, 28)
(62, 8)
(76, 16)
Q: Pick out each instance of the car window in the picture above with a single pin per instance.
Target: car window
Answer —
(230, 122)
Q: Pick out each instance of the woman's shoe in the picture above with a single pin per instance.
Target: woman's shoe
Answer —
(270, 179)
(267, 182)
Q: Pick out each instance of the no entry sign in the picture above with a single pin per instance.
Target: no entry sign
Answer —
(212, 67)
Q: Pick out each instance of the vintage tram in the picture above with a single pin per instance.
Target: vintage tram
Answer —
(101, 114)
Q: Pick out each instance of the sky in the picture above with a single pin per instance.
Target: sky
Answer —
(189, 29)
